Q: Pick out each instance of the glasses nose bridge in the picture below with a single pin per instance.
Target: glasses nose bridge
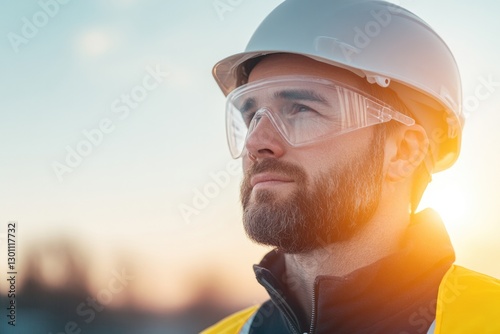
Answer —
(264, 126)
(264, 112)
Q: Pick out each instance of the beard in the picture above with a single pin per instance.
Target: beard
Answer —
(338, 203)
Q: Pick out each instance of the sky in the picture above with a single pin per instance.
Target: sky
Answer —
(112, 135)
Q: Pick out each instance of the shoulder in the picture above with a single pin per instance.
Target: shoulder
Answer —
(459, 283)
(232, 323)
(468, 302)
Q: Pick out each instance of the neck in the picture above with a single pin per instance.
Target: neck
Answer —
(341, 258)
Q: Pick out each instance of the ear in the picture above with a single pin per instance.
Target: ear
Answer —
(410, 145)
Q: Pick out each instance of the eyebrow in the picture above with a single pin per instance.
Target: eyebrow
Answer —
(300, 95)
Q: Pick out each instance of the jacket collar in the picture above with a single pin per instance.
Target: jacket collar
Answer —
(395, 294)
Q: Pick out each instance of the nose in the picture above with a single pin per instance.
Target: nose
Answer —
(264, 139)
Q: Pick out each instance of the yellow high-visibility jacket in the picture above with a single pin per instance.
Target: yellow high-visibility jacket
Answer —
(467, 303)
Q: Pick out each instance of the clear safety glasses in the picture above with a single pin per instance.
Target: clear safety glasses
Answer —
(302, 110)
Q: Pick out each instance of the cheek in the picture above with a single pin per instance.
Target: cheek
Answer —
(315, 164)
(325, 156)
(336, 152)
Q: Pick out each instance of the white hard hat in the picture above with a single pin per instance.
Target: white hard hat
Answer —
(378, 40)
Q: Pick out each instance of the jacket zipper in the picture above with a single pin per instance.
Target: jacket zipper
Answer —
(281, 303)
(313, 313)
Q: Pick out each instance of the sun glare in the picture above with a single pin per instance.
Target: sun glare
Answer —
(450, 201)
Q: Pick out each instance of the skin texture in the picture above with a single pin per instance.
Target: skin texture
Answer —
(329, 207)
(276, 172)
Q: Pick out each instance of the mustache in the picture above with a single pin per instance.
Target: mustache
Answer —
(273, 165)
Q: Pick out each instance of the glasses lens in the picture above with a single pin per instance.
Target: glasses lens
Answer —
(236, 129)
(303, 110)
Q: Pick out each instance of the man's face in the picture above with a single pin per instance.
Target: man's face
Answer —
(302, 198)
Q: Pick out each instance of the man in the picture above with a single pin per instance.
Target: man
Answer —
(341, 110)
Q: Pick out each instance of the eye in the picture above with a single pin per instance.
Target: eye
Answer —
(298, 108)
(248, 116)
(303, 108)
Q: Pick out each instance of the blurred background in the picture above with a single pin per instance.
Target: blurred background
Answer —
(114, 166)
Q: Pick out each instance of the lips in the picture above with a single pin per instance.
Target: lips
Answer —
(269, 178)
